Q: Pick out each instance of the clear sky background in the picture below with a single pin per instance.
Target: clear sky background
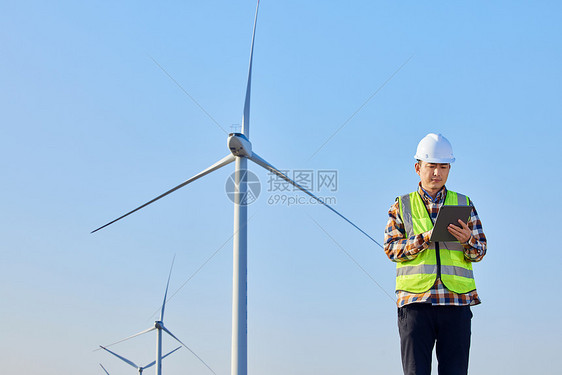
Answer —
(91, 127)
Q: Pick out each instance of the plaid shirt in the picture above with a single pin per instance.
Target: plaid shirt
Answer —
(398, 248)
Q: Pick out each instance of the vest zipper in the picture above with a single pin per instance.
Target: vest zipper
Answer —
(437, 253)
(438, 256)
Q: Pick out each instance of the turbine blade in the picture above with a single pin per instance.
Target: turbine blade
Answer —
(171, 334)
(260, 161)
(187, 347)
(153, 362)
(246, 117)
(130, 337)
(179, 347)
(120, 357)
(104, 369)
(166, 293)
(221, 163)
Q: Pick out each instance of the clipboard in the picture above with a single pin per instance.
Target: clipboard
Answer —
(448, 215)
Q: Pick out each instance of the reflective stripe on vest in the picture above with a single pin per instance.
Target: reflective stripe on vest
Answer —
(419, 274)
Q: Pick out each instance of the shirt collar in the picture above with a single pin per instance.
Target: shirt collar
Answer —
(440, 196)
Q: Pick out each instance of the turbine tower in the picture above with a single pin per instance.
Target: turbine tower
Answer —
(159, 327)
(240, 152)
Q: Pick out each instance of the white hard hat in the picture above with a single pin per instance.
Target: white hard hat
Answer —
(434, 148)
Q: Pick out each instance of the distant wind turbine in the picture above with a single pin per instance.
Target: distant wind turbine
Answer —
(131, 363)
(159, 327)
(240, 152)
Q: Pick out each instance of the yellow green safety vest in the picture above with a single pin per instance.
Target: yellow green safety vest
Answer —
(444, 259)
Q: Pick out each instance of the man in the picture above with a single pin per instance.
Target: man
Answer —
(434, 281)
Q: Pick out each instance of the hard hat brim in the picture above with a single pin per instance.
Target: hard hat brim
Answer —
(435, 160)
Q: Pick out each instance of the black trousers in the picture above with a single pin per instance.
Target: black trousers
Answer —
(422, 326)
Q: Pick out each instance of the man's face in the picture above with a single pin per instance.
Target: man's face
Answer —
(433, 176)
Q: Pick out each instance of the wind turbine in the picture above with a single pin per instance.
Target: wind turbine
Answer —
(129, 362)
(159, 327)
(240, 152)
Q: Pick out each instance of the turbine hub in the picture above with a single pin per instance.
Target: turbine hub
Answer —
(239, 145)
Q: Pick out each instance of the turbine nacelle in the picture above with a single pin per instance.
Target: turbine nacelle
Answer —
(239, 145)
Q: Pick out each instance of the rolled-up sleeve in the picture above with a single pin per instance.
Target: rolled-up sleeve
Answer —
(475, 247)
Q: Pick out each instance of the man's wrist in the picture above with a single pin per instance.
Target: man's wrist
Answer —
(471, 242)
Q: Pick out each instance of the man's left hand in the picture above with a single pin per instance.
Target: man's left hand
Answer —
(462, 233)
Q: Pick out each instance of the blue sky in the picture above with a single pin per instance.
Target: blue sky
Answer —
(92, 127)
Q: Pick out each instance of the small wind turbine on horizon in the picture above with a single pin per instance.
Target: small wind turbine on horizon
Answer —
(240, 152)
(159, 327)
(140, 369)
